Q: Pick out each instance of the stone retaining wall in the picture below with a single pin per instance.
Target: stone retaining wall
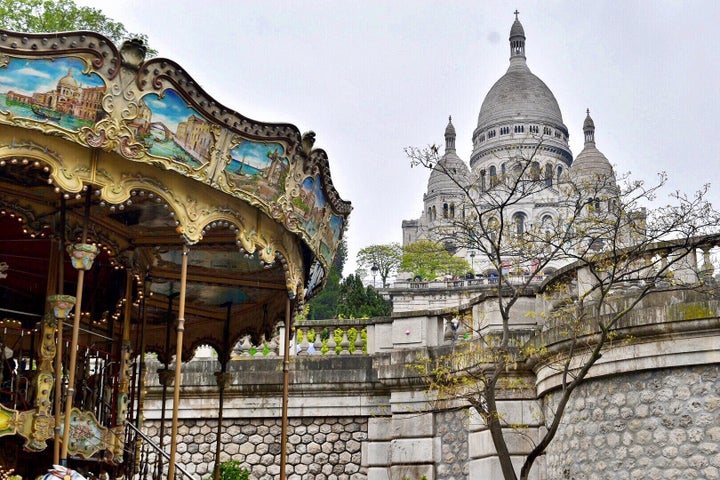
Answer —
(319, 448)
(660, 424)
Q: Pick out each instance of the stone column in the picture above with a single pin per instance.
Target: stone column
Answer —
(526, 414)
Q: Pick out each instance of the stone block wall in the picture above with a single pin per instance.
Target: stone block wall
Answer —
(451, 427)
(319, 448)
(662, 424)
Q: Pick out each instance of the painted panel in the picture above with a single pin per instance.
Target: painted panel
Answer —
(259, 168)
(54, 91)
(169, 128)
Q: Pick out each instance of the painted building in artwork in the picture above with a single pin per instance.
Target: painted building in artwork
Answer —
(69, 97)
(194, 134)
(519, 118)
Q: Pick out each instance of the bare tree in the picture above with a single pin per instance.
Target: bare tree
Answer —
(605, 236)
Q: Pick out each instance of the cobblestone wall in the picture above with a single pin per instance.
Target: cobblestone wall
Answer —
(452, 430)
(662, 424)
(318, 448)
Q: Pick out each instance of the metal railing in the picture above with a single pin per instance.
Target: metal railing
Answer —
(147, 464)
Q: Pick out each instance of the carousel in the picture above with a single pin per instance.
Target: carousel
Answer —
(137, 215)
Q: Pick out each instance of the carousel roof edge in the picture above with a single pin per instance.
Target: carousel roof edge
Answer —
(106, 54)
(120, 102)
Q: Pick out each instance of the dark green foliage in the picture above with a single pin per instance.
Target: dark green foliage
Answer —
(358, 301)
(325, 304)
(231, 470)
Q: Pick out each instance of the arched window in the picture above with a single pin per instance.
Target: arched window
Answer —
(452, 210)
(493, 176)
(546, 223)
(548, 175)
(519, 221)
(559, 174)
(493, 225)
(483, 185)
(434, 213)
(535, 171)
(502, 169)
(445, 210)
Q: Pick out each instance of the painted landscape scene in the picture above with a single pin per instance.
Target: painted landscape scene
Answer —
(258, 167)
(169, 128)
(53, 91)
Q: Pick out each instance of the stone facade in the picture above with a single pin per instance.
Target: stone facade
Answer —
(452, 431)
(318, 448)
(661, 424)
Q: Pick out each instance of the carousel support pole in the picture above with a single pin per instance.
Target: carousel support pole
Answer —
(83, 255)
(222, 378)
(286, 392)
(126, 348)
(59, 335)
(125, 352)
(178, 363)
(141, 376)
(165, 377)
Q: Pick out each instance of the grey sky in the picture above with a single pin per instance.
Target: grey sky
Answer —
(371, 78)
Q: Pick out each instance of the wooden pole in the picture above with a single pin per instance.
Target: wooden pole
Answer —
(221, 377)
(286, 391)
(73, 343)
(178, 363)
(59, 336)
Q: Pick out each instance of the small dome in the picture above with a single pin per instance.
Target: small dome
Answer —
(450, 165)
(591, 165)
(68, 80)
(450, 129)
(517, 29)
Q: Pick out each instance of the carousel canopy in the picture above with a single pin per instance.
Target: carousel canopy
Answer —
(134, 156)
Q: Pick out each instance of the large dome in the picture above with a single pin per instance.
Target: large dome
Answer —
(519, 96)
(519, 110)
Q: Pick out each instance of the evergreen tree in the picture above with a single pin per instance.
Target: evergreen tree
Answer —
(325, 304)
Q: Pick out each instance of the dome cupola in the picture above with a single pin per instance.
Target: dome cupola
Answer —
(591, 165)
(450, 136)
(450, 169)
(517, 39)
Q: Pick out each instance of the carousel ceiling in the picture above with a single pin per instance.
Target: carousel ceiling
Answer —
(132, 155)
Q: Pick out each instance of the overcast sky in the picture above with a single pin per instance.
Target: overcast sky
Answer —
(372, 77)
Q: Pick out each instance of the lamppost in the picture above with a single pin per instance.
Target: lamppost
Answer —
(472, 260)
(374, 269)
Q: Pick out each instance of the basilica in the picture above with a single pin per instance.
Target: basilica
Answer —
(519, 119)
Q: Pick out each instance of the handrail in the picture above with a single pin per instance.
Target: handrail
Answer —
(158, 449)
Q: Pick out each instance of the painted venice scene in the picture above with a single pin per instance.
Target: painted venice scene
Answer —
(169, 128)
(56, 91)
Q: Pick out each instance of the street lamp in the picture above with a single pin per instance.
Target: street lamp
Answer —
(374, 270)
(472, 260)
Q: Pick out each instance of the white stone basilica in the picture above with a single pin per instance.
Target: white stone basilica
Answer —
(519, 117)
